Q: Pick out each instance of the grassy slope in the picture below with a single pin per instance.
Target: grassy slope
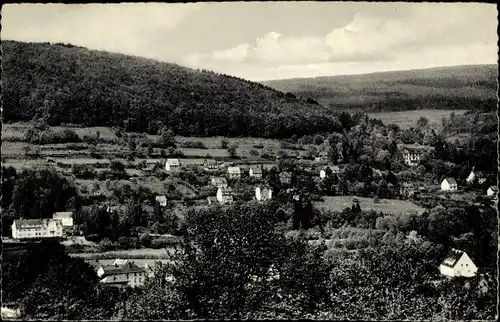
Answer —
(459, 87)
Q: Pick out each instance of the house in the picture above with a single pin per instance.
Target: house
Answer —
(457, 263)
(255, 172)
(212, 165)
(412, 154)
(449, 184)
(225, 195)
(335, 170)
(66, 218)
(122, 273)
(407, 190)
(162, 200)
(37, 228)
(234, 172)
(172, 165)
(212, 200)
(219, 182)
(10, 311)
(492, 192)
(263, 193)
(475, 176)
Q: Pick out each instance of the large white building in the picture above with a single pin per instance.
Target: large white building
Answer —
(66, 218)
(37, 228)
(263, 193)
(457, 263)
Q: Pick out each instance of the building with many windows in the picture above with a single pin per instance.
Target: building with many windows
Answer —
(37, 228)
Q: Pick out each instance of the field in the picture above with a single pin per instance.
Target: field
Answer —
(407, 119)
(388, 206)
(129, 253)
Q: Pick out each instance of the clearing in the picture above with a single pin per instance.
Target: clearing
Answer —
(386, 206)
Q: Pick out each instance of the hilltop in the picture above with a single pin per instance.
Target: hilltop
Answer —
(62, 83)
(458, 87)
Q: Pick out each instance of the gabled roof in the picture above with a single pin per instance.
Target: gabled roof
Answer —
(450, 180)
(63, 214)
(256, 169)
(226, 191)
(452, 257)
(494, 188)
(153, 161)
(33, 223)
(219, 179)
(126, 268)
(233, 170)
(173, 162)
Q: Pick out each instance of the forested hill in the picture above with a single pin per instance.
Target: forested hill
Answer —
(68, 84)
(458, 87)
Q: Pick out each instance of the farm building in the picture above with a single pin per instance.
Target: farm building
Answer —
(172, 165)
(162, 200)
(457, 263)
(37, 228)
(255, 172)
(263, 193)
(449, 184)
(122, 273)
(492, 192)
(66, 218)
(225, 195)
(212, 165)
(412, 154)
(234, 172)
(219, 182)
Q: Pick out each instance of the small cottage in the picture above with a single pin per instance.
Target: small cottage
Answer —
(162, 200)
(449, 184)
(219, 182)
(66, 218)
(233, 172)
(492, 192)
(457, 263)
(263, 193)
(212, 165)
(225, 195)
(255, 172)
(172, 165)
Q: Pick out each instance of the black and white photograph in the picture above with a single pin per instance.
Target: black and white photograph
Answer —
(249, 160)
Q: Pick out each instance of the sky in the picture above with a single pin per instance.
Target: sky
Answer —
(271, 40)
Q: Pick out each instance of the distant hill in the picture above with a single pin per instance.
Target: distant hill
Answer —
(68, 84)
(459, 87)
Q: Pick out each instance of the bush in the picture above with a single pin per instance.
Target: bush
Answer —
(117, 166)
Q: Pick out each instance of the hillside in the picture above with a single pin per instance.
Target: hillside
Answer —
(460, 87)
(68, 84)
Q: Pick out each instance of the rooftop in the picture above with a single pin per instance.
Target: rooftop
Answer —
(173, 162)
(63, 214)
(127, 268)
(233, 170)
(452, 258)
(32, 223)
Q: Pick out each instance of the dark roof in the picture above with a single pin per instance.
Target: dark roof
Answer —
(451, 180)
(127, 268)
(494, 188)
(452, 258)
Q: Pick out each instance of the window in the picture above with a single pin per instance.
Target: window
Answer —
(466, 264)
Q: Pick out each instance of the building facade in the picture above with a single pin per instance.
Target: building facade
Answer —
(122, 273)
(37, 228)
(457, 263)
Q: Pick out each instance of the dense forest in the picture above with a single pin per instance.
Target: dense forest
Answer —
(67, 84)
(444, 88)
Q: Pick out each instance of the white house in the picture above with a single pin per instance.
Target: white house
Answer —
(263, 193)
(335, 170)
(219, 182)
(471, 178)
(225, 195)
(37, 228)
(122, 273)
(475, 176)
(255, 172)
(492, 191)
(162, 200)
(449, 184)
(66, 218)
(172, 165)
(457, 263)
(234, 172)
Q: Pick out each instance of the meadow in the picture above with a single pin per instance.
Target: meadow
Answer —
(388, 206)
(407, 119)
